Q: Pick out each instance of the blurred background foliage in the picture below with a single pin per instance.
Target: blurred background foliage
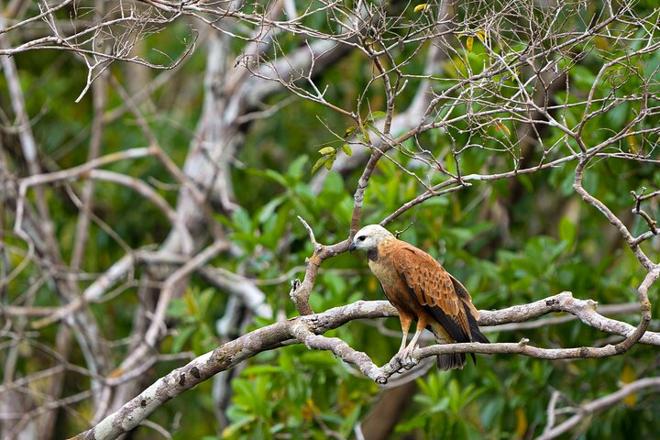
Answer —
(510, 242)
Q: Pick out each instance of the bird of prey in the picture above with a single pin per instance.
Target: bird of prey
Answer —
(422, 290)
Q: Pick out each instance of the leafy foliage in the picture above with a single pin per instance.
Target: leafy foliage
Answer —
(510, 241)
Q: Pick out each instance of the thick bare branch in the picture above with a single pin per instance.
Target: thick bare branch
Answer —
(307, 330)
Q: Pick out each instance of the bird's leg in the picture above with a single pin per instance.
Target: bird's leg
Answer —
(406, 355)
(406, 320)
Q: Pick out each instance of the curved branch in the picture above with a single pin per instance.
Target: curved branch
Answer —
(308, 329)
(647, 384)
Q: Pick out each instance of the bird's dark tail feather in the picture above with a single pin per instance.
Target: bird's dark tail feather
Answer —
(475, 334)
(451, 361)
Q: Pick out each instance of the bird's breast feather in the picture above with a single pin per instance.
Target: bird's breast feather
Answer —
(384, 272)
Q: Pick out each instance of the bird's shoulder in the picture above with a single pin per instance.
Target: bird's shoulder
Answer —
(399, 251)
(419, 270)
(408, 257)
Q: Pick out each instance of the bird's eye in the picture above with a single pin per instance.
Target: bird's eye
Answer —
(361, 238)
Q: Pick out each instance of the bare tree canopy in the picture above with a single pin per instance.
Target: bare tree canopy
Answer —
(181, 181)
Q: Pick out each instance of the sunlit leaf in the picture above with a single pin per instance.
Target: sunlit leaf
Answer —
(633, 144)
(481, 35)
(567, 230)
(521, 423)
(319, 163)
(627, 376)
(500, 126)
(349, 131)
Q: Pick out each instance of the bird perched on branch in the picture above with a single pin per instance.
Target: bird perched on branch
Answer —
(422, 290)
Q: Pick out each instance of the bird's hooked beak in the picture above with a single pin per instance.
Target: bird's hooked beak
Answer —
(351, 247)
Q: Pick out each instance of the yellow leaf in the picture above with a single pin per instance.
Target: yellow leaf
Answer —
(481, 35)
(521, 423)
(422, 7)
(469, 43)
(191, 304)
(499, 126)
(345, 401)
(628, 375)
(633, 146)
(309, 410)
(630, 400)
(117, 372)
(602, 43)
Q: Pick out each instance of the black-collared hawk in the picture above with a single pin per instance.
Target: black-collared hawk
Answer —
(422, 290)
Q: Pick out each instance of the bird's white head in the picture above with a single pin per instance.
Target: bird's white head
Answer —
(369, 237)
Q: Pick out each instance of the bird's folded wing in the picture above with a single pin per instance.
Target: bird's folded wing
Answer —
(464, 295)
(433, 288)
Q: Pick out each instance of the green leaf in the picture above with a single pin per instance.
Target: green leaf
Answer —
(191, 303)
(234, 428)
(365, 135)
(582, 77)
(205, 298)
(277, 177)
(241, 220)
(334, 184)
(181, 338)
(268, 209)
(618, 116)
(437, 201)
(296, 168)
(319, 163)
(177, 308)
(327, 151)
(348, 151)
(567, 230)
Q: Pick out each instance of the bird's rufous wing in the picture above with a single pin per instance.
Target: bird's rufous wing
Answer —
(432, 287)
(464, 295)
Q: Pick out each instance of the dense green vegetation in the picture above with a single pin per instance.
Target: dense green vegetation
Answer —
(510, 241)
